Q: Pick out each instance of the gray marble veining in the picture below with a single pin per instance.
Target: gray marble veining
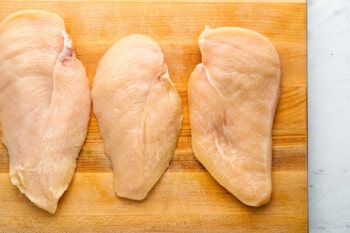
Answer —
(329, 115)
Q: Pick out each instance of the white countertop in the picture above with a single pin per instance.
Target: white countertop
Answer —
(329, 115)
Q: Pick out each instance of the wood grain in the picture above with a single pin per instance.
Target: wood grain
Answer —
(187, 198)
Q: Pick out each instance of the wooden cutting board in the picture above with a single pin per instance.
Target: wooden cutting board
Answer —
(187, 198)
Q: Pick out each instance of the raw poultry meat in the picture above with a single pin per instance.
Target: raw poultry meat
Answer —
(139, 113)
(44, 104)
(233, 96)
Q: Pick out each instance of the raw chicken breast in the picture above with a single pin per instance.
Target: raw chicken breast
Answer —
(233, 95)
(139, 113)
(44, 104)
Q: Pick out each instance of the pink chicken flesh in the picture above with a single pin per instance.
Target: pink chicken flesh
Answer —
(44, 104)
(233, 96)
(139, 113)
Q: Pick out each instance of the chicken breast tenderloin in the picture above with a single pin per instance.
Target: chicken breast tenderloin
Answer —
(44, 104)
(139, 113)
(233, 96)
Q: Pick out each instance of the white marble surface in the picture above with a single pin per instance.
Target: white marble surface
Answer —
(329, 115)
